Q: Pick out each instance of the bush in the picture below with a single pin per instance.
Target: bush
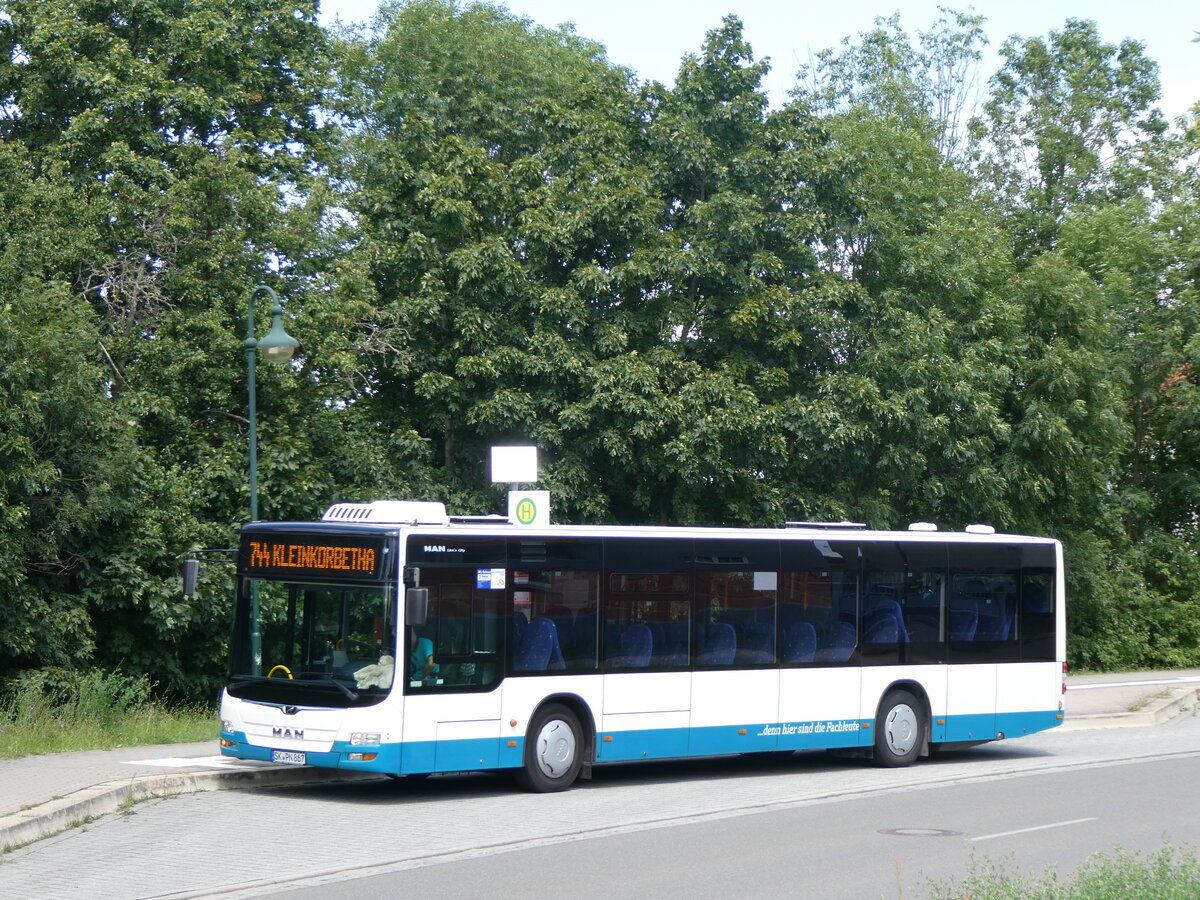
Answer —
(1170, 874)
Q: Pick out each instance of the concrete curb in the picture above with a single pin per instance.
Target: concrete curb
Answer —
(1157, 711)
(46, 819)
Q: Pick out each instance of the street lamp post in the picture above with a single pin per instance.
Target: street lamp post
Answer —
(278, 346)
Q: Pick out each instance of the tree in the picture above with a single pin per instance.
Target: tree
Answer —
(67, 465)
(160, 151)
(737, 227)
(887, 73)
(1090, 186)
(1069, 117)
(905, 418)
(501, 214)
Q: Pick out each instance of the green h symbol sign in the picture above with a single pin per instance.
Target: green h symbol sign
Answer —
(526, 511)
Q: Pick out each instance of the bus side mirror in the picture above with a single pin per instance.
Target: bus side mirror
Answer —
(191, 570)
(416, 606)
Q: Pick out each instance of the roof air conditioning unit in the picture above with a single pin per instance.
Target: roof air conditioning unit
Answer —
(389, 512)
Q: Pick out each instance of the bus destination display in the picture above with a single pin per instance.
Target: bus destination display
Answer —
(313, 556)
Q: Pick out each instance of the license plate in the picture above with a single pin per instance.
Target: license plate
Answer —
(289, 758)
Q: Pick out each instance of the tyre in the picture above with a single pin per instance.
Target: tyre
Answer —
(899, 730)
(554, 748)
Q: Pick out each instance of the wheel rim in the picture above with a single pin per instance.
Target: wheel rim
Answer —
(555, 751)
(901, 728)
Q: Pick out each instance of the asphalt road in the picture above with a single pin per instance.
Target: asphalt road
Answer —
(898, 844)
(805, 824)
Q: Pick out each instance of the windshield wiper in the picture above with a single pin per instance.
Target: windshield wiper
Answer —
(279, 682)
(257, 679)
(350, 695)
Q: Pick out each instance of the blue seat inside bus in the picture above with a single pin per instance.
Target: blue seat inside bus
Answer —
(674, 651)
(884, 629)
(884, 622)
(635, 648)
(799, 643)
(964, 619)
(539, 649)
(995, 622)
(839, 643)
(580, 649)
(517, 624)
(658, 636)
(1036, 599)
(564, 623)
(719, 647)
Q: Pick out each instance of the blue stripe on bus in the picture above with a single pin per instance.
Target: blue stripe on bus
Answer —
(1016, 724)
(387, 756)
(664, 743)
(724, 739)
(988, 726)
(471, 755)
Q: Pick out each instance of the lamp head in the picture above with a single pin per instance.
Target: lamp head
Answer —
(278, 346)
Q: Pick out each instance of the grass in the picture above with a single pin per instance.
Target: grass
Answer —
(1169, 874)
(94, 711)
(1139, 705)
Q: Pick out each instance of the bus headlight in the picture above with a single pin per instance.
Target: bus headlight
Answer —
(226, 726)
(364, 739)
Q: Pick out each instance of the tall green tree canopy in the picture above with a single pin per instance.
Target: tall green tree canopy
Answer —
(892, 298)
(155, 152)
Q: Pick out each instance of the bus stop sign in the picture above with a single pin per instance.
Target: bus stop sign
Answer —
(529, 507)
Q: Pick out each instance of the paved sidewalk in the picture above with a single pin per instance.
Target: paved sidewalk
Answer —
(1129, 699)
(43, 795)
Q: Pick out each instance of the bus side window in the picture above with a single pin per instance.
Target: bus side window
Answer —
(1038, 605)
(645, 620)
(463, 627)
(568, 599)
(819, 592)
(737, 602)
(984, 588)
(737, 613)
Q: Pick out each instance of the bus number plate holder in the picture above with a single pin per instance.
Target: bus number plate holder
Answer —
(289, 758)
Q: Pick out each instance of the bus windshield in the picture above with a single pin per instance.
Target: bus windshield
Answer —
(312, 644)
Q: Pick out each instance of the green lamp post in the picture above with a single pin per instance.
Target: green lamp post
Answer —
(278, 347)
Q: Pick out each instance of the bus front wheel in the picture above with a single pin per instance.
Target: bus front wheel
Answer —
(553, 750)
(899, 730)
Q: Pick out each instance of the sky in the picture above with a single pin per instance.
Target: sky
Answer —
(651, 36)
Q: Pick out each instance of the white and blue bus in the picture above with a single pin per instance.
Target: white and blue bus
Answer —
(390, 637)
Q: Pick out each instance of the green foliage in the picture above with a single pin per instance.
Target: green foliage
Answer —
(1169, 874)
(58, 711)
(148, 149)
(1068, 117)
(478, 173)
(66, 462)
(701, 309)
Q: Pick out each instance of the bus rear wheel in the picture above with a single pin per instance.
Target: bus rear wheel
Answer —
(899, 730)
(553, 750)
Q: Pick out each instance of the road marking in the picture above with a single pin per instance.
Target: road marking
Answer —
(1191, 679)
(988, 837)
(921, 832)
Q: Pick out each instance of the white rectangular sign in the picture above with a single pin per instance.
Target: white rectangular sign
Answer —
(514, 465)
